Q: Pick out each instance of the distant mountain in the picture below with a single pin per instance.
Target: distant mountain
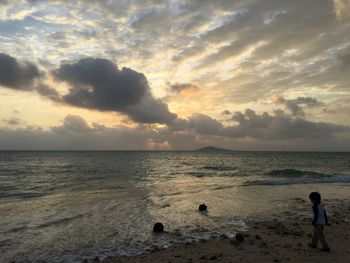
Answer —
(212, 149)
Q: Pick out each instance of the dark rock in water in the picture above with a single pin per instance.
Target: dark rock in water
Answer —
(96, 259)
(239, 237)
(158, 227)
(202, 207)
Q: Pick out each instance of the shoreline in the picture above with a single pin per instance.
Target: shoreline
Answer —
(283, 238)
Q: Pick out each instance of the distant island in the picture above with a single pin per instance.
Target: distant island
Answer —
(212, 149)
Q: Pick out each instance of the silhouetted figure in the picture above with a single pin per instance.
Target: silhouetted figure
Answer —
(319, 221)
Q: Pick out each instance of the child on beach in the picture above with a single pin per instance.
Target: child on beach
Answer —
(319, 221)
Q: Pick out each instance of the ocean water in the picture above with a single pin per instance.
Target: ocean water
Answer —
(73, 206)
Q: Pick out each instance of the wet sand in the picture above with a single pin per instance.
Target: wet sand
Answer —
(282, 238)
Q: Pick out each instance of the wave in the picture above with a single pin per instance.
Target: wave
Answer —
(65, 220)
(196, 174)
(289, 181)
(21, 195)
(219, 168)
(296, 173)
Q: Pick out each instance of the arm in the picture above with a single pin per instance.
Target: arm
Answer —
(315, 210)
(325, 216)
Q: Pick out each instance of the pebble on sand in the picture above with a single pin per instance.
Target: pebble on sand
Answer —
(202, 207)
(158, 227)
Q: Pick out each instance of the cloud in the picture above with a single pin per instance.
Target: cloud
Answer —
(178, 87)
(72, 123)
(342, 8)
(48, 92)
(277, 131)
(76, 134)
(266, 126)
(98, 84)
(17, 75)
(204, 124)
(280, 126)
(295, 105)
(12, 121)
(226, 112)
(94, 83)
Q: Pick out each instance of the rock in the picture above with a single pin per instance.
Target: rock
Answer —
(202, 207)
(214, 257)
(96, 259)
(223, 236)
(234, 242)
(239, 237)
(158, 227)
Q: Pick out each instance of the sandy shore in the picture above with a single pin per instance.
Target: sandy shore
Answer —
(282, 238)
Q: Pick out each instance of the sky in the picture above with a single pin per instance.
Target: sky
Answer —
(175, 75)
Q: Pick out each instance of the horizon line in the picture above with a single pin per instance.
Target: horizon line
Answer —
(145, 150)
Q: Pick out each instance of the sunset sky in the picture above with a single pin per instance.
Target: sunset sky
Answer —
(175, 74)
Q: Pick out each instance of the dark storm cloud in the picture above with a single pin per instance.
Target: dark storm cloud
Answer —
(279, 126)
(266, 126)
(94, 83)
(204, 124)
(295, 105)
(48, 92)
(72, 123)
(98, 84)
(17, 75)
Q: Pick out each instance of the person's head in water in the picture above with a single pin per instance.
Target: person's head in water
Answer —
(315, 197)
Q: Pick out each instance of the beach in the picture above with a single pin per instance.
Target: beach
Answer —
(79, 206)
(283, 238)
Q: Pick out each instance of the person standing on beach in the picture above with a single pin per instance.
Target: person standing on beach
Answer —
(319, 221)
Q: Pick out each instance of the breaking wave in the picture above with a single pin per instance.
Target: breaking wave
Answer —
(296, 173)
(289, 181)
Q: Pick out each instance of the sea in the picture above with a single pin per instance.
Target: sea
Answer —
(74, 206)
